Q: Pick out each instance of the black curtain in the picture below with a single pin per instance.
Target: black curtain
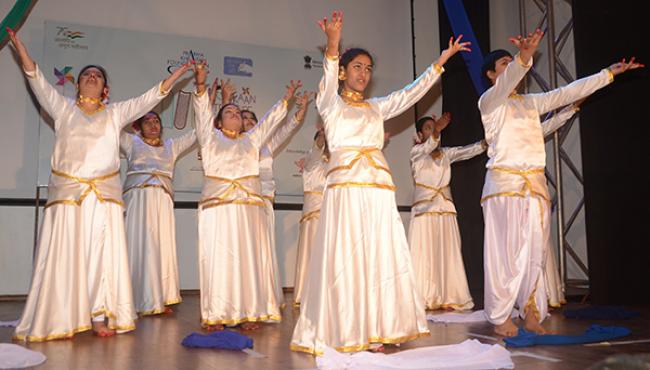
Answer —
(614, 129)
(460, 99)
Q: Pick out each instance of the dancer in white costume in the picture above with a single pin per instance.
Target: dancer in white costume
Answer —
(360, 288)
(236, 267)
(81, 268)
(515, 197)
(433, 233)
(150, 224)
(313, 184)
(268, 152)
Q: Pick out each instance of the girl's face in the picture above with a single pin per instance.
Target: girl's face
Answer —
(358, 74)
(151, 126)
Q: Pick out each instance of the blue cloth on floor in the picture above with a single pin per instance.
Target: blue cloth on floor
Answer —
(594, 334)
(223, 339)
(601, 313)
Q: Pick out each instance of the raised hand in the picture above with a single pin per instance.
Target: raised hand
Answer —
(213, 91)
(200, 75)
(527, 45)
(622, 66)
(442, 122)
(332, 29)
(291, 89)
(26, 60)
(302, 101)
(228, 90)
(453, 48)
(168, 83)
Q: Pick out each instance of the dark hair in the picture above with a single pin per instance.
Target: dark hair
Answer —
(316, 134)
(352, 53)
(489, 64)
(249, 111)
(420, 123)
(219, 115)
(138, 122)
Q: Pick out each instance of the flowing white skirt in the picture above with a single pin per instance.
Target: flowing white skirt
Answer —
(151, 238)
(554, 285)
(516, 236)
(270, 228)
(236, 268)
(361, 287)
(438, 262)
(81, 271)
(305, 241)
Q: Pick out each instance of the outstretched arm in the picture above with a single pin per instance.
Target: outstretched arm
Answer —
(261, 133)
(329, 83)
(283, 133)
(462, 153)
(401, 100)
(50, 100)
(203, 116)
(507, 82)
(548, 101)
(131, 109)
(559, 119)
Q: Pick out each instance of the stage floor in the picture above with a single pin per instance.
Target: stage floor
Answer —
(155, 344)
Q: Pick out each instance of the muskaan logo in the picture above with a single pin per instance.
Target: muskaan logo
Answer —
(67, 38)
(186, 56)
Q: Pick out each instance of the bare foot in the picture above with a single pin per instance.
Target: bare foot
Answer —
(101, 330)
(250, 326)
(376, 347)
(531, 324)
(168, 310)
(507, 329)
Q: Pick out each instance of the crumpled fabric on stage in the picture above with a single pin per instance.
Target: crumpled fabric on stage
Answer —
(468, 355)
(594, 334)
(13, 356)
(601, 313)
(223, 339)
(458, 318)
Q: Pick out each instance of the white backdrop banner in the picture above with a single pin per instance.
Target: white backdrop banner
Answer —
(135, 61)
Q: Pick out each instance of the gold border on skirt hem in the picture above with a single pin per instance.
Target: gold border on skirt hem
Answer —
(435, 214)
(361, 347)
(277, 318)
(447, 305)
(70, 334)
(362, 185)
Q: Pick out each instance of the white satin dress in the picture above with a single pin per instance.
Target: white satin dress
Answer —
(313, 184)
(361, 287)
(434, 236)
(81, 268)
(237, 272)
(150, 223)
(515, 200)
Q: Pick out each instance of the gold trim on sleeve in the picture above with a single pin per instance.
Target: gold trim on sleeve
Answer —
(438, 68)
(521, 62)
(610, 74)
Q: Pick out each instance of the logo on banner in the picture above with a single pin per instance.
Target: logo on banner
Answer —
(236, 66)
(63, 75)
(186, 56)
(67, 38)
(246, 99)
(311, 63)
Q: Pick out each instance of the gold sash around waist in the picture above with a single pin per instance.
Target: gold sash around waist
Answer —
(234, 184)
(146, 184)
(362, 152)
(91, 187)
(526, 188)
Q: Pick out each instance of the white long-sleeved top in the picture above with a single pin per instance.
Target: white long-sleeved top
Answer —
(269, 150)
(149, 165)
(355, 131)
(514, 132)
(432, 173)
(231, 165)
(86, 146)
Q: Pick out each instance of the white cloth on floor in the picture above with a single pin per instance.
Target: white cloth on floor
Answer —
(457, 317)
(13, 356)
(9, 324)
(468, 355)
